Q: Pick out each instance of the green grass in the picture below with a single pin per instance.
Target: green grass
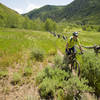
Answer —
(28, 71)
(14, 42)
(86, 37)
(16, 78)
(3, 73)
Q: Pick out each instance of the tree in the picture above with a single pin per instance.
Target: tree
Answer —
(50, 25)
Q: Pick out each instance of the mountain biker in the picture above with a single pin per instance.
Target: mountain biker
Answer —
(72, 41)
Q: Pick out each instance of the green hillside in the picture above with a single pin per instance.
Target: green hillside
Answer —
(10, 18)
(48, 11)
(79, 11)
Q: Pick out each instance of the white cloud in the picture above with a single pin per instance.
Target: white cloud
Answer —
(19, 10)
(27, 9)
(31, 7)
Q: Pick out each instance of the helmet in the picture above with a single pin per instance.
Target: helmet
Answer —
(75, 34)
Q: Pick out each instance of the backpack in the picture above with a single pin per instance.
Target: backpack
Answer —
(72, 39)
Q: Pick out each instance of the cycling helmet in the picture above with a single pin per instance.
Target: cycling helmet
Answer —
(75, 34)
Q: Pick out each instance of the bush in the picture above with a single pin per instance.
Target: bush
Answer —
(16, 78)
(3, 73)
(58, 61)
(91, 71)
(75, 87)
(52, 52)
(87, 28)
(49, 72)
(49, 80)
(91, 28)
(58, 83)
(28, 71)
(37, 54)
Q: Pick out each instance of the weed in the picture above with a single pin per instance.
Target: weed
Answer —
(28, 71)
(37, 54)
(3, 73)
(16, 78)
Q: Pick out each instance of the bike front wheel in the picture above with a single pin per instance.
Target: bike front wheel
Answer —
(76, 66)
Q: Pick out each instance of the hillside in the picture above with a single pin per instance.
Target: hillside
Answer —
(45, 12)
(78, 11)
(9, 17)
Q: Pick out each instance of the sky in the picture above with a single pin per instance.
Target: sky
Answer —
(24, 6)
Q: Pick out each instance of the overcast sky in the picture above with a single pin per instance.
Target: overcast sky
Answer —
(23, 6)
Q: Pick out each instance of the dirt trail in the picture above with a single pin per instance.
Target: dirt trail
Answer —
(60, 53)
(89, 96)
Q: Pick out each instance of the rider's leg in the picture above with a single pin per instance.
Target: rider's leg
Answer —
(68, 52)
(73, 49)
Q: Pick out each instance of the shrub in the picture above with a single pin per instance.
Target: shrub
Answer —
(3, 73)
(54, 82)
(87, 28)
(49, 72)
(91, 28)
(98, 29)
(91, 71)
(49, 80)
(47, 88)
(58, 61)
(37, 54)
(28, 71)
(75, 87)
(16, 78)
(52, 52)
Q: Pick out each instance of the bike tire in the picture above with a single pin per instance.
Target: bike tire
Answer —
(76, 66)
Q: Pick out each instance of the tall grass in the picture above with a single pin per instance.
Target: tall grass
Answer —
(13, 42)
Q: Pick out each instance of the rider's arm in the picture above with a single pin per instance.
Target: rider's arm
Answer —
(67, 46)
(80, 47)
(68, 43)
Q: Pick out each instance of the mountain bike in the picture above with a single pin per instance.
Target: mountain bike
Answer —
(73, 62)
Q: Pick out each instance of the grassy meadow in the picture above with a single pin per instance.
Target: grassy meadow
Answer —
(16, 42)
(17, 48)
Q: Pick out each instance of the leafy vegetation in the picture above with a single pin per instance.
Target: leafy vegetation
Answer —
(58, 61)
(37, 54)
(79, 11)
(91, 71)
(58, 83)
(16, 78)
(15, 43)
(28, 71)
(3, 73)
(11, 19)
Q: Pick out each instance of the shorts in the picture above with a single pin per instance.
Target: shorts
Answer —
(71, 50)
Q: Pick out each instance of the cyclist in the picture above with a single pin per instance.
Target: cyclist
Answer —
(72, 41)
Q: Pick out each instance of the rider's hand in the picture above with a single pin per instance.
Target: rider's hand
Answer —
(82, 52)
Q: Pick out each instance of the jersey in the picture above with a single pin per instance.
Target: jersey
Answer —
(71, 42)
